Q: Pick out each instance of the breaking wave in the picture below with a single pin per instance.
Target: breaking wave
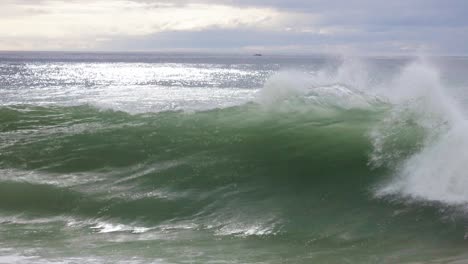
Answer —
(310, 149)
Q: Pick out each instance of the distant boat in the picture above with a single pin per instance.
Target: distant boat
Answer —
(257, 54)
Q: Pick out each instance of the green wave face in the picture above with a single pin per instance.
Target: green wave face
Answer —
(299, 180)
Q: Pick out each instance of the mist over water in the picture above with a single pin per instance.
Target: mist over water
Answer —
(124, 158)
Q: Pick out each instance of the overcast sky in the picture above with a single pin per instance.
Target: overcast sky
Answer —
(294, 26)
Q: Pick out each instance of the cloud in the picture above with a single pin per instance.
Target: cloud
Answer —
(301, 25)
(58, 18)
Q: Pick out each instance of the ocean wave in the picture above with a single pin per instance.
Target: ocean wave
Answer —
(307, 149)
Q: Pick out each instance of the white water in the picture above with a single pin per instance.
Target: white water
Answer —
(346, 87)
(436, 170)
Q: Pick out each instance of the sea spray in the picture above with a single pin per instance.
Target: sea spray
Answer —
(422, 138)
(346, 87)
(435, 171)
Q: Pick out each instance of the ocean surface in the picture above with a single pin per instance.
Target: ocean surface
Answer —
(209, 158)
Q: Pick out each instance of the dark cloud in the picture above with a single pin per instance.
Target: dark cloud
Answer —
(440, 41)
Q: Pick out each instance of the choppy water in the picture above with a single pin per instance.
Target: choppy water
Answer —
(195, 158)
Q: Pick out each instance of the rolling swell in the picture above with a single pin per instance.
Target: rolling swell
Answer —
(246, 170)
(175, 165)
